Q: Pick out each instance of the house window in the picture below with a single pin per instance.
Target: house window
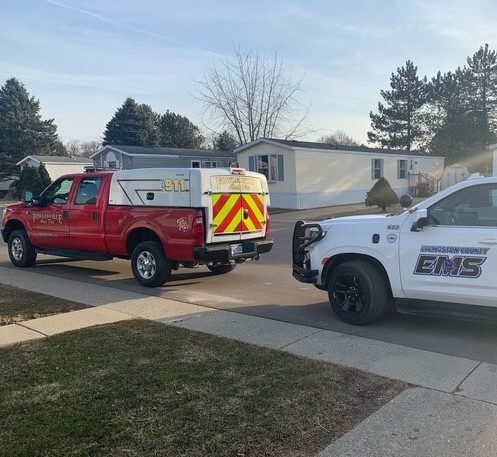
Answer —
(195, 163)
(401, 169)
(112, 164)
(214, 164)
(376, 168)
(206, 164)
(270, 165)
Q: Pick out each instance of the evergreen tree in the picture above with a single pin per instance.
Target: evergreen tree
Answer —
(399, 123)
(132, 125)
(224, 142)
(481, 73)
(177, 131)
(22, 130)
(382, 195)
(32, 179)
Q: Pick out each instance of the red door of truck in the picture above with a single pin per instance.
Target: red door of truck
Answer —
(86, 214)
(49, 222)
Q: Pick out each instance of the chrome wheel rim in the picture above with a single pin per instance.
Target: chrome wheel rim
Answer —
(146, 265)
(16, 249)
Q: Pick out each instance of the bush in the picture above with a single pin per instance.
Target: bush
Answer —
(382, 195)
(32, 179)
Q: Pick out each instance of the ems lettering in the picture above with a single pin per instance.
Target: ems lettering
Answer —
(443, 265)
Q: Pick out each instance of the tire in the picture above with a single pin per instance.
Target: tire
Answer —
(21, 251)
(357, 292)
(222, 269)
(150, 266)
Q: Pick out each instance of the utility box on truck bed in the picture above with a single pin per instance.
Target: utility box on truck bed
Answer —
(160, 218)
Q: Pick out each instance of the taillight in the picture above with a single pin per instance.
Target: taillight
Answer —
(198, 230)
(268, 225)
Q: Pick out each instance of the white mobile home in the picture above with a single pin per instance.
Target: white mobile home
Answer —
(57, 165)
(305, 175)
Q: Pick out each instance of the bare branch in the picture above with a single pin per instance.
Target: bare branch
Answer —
(251, 97)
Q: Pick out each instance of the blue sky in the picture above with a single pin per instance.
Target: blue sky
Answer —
(81, 59)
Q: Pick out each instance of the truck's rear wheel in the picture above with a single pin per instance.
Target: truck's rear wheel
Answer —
(21, 251)
(357, 292)
(150, 266)
(222, 269)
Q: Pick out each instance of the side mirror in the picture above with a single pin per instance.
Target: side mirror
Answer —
(27, 199)
(405, 201)
(420, 220)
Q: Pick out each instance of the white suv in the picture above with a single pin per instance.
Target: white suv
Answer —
(436, 258)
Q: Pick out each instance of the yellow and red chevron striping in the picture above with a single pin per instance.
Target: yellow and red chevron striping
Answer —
(228, 211)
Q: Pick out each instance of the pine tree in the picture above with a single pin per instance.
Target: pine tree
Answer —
(382, 195)
(177, 131)
(399, 123)
(22, 130)
(132, 125)
(31, 180)
(224, 142)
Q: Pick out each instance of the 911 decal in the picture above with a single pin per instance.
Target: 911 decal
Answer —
(439, 261)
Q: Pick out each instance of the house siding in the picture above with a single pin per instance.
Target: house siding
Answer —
(316, 178)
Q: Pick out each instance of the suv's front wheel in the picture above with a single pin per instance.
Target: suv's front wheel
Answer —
(357, 292)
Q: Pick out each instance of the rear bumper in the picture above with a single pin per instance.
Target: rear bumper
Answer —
(225, 253)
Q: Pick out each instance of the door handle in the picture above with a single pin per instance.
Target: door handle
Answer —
(245, 213)
(65, 215)
(488, 241)
(95, 216)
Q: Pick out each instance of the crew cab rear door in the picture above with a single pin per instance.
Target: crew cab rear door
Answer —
(238, 211)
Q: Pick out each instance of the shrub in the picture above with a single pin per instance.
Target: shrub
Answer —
(32, 179)
(382, 195)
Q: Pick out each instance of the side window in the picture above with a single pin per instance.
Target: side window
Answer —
(376, 168)
(58, 192)
(471, 207)
(401, 169)
(270, 165)
(88, 191)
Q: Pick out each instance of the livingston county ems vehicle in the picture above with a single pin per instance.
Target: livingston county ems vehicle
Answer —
(440, 257)
(160, 218)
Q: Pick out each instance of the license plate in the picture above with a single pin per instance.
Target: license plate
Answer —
(236, 249)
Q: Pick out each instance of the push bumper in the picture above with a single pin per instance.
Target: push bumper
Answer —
(225, 253)
(301, 267)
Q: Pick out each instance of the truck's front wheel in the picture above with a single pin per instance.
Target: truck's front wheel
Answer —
(357, 292)
(21, 251)
(150, 266)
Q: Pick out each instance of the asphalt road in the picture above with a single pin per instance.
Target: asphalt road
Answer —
(267, 289)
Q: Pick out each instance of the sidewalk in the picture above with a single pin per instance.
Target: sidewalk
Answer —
(452, 413)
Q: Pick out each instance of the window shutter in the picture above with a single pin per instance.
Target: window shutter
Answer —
(252, 163)
(372, 168)
(281, 168)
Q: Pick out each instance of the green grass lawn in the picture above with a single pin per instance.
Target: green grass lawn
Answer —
(142, 389)
(17, 305)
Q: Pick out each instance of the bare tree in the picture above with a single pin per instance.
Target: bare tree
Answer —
(82, 148)
(251, 97)
(88, 148)
(339, 137)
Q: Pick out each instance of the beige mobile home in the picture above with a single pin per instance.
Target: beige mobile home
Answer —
(305, 175)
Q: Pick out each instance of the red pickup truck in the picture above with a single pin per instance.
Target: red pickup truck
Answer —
(159, 218)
